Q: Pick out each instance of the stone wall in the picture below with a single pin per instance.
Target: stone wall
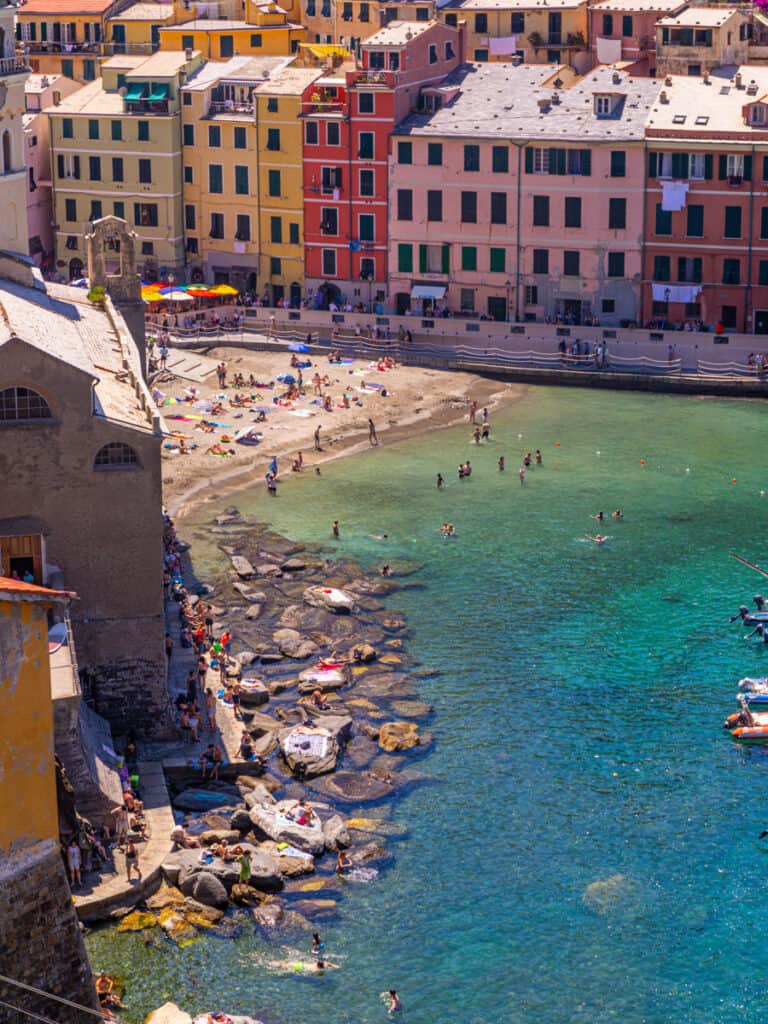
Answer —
(82, 740)
(40, 940)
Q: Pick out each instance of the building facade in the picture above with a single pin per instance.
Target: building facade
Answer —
(135, 29)
(625, 30)
(14, 72)
(701, 39)
(64, 37)
(270, 34)
(349, 23)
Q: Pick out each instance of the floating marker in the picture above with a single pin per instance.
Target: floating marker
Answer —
(642, 462)
(557, 444)
(733, 480)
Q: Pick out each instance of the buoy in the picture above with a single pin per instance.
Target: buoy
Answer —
(615, 775)
(687, 470)
(642, 462)
(557, 444)
(762, 494)
(733, 480)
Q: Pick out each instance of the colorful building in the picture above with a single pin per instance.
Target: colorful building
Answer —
(136, 28)
(116, 149)
(270, 34)
(41, 91)
(14, 72)
(349, 115)
(349, 23)
(220, 168)
(554, 32)
(625, 30)
(706, 209)
(64, 37)
(701, 39)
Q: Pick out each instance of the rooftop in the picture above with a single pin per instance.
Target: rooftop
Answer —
(220, 25)
(39, 83)
(240, 69)
(59, 7)
(123, 61)
(398, 33)
(145, 12)
(700, 17)
(163, 64)
(510, 5)
(709, 110)
(638, 6)
(20, 591)
(501, 100)
(91, 99)
(60, 321)
(289, 81)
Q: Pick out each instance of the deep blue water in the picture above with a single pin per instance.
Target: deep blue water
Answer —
(578, 723)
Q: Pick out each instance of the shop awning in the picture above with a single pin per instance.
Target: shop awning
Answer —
(428, 291)
(322, 50)
(159, 92)
(134, 93)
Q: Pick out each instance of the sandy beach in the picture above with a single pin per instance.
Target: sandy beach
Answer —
(416, 399)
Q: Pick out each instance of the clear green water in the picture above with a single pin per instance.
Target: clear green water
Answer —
(579, 731)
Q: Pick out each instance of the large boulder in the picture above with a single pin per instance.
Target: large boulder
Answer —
(218, 835)
(353, 787)
(240, 821)
(166, 896)
(310, 749)
(168, 1013)
(336, 835)
(243, 567)
(271, 823)
(253, 611)
(195, 799)
(292, 644)
(395, 736)
(337, 601)
(259, 796)
(206, 888)
(325, 679)
(253, 692)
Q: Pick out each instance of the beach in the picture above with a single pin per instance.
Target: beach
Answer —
(417, 399)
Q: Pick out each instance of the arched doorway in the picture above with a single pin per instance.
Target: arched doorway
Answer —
(7, 152)
(295, 295)
(75, 269)
(326, 294)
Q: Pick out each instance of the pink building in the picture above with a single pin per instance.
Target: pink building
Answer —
(521, 198)
(625, 30)
(41, 91)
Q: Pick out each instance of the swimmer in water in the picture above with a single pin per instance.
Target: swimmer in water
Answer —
(501, 464)
(393, 1001)
(599, 516)
(617, 514)
(440, 480)
(343, 863)
(300, 965)
(538, 457)
(521, 474)
(597, 539)
(317, 943)
(385, 571)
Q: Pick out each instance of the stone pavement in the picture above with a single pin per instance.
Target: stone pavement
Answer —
(190, 365)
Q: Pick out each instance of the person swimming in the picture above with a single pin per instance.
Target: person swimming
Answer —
(597, 539)
(318, 967)
(440, 480)
(617, 514)
(599, 516)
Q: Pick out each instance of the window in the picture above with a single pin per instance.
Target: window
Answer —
(467, 299)
(70, 209)
(617, 213)
(145, 215)
(694, 227)
(472, 158)
(333, 133)
(626, 25)
(329, 262)
(607, 24)
(116, 128)
(145, 172)
(618, 163)
(469, 207)
(116, 455)
(404, 258)
(608, 306)
(537, 160)
(293, 234)
(517, 27)
(728, 316)
(661, 268)
(188, 176)
(498, 207)
(187, 42)
(434, 204)
(689, 269)
(329, 220)
(540, 160)
(541, 211)
(241, 140)
(366, 227)
(93, 129)
(273, 183)
(71, 242)
(615, 264)
(500, 159)
(190, 218)
(118, 208)
(432, 53)
(276, 230)
(22, 404)
(89, 70)
(273, 139)
(697, 166)
(422, 14)
(734, 165)
(731, 271)
(117, 168)
(346, 12)
(531, 295)
(367, 183)
(189, 135)
(602, 106)
(468, 257)
(498, 260)
(541, 261)
(404, 204)
(66, 128)
(365, 145)
(449, 51)
(481, 23)
(762, 273)
(732, 227)
(217, 225)
(435, 154)
(68, 67)
(480, 56)
(331, 179)
(434, 259)
(570, 263)
(572, 212)
(764, 222)
(255, 39)
(215, 178)
(214, 136)
(311, 133)
(663, 221)
(365, 103)
(143, 131)
(364, 13)
(186, 99)
(404, 153)
(451, 19)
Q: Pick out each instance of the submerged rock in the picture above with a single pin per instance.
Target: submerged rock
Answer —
(243, 567)
(137, 921)
(605, 894)
(168, 1013)
(398, 736)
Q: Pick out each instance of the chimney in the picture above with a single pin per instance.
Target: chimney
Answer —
(188, 53)
(705, 77)
(737, 80)
(544, 104)
(668, 80)
(663, 98)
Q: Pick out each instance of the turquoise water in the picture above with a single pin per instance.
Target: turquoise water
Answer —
(578, 730)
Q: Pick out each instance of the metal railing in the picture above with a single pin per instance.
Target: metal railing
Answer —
(14, 65)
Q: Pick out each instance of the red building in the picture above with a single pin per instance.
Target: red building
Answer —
(349, 116)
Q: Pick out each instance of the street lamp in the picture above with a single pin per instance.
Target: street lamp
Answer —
(369, 279)
(508, 286)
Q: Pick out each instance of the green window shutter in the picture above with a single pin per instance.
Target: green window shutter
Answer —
(43, 31)
(732, 222)
(405, 258)
(215, 179)
(684, 163)
(468, 257)
(663, 221)
(18, 30)
(446, 259)
(498, 261)
(722, 167)
(747, 168)
(765, 168)
(708, 166)
(241, 181)
(764, 222)
(762, 277)
(586, 163)
(529, 160)
(676, 162)
(695, 226)
(137, 214)
(653, 161)
(557, 161)
(422, 259)
(697, 265)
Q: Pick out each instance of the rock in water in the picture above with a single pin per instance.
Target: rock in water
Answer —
(605, 894)
(332, 598)
(137, 921)
(243, 567)
(168, 1013)
(205, 888)
(398, 736)
(166, 896)
(336, 834)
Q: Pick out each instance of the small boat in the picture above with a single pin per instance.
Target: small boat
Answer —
(759, 684)
(754, 701)
(747, 726)
(754, 734)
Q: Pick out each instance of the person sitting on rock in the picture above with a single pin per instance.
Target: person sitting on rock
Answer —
(317, 700)
(181, 840)
(227, 853)
(246, 750)
(211, 759)
(301, 813)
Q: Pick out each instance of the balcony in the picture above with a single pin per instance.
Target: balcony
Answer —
(230, 107)
(113, 49)
(89, 49)
(14, 65)
(321, 108)
(371, 77)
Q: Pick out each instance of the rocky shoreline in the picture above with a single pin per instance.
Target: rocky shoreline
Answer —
(300, 623)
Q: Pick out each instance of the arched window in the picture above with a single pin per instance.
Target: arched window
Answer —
(22, 404)
(116, 455)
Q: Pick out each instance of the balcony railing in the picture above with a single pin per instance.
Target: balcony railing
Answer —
(230, 107)
(13, 65)
(110, 49)
(324, 107)
(374, 77)
(65, 48)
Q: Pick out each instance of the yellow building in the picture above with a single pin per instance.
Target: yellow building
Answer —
(116, 149)
(14, 74)
(27, 777)
(554, 32)
(136, 29)
(270, 33)
(350, 22)
(64, 37)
